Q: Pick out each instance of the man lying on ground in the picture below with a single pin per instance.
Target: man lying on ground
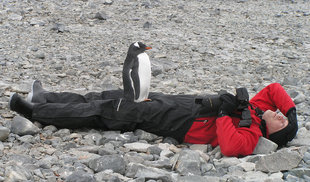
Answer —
(233, 122)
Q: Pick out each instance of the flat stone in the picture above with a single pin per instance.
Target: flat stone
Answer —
(143, 135)
(265, 146)
(113, 162)
(17, 173)
(4, 133)
(300, 172)
(188, 163)
(23, 126)
(198, 178)
(227, 162)
(137, 146)
(247, 166)
(284, 159)
(154, 173)
(80, 176)
(302, 138)
(200, 147)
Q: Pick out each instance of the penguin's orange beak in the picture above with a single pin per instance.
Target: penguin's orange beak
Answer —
(147, 48)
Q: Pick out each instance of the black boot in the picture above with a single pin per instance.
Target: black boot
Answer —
(20, 106)
(35, 95)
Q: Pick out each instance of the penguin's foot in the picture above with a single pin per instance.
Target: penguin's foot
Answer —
(147, 100)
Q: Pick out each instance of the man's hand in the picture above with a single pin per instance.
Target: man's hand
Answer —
(229, 104)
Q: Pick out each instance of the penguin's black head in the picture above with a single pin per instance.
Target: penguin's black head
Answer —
(137, 48)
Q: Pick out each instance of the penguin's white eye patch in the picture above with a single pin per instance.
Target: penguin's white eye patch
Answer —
(137, 45)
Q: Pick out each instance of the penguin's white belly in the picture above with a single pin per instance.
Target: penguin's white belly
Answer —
(144, 72)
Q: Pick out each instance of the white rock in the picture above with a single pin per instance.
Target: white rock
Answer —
(247, 166)
(137, 146)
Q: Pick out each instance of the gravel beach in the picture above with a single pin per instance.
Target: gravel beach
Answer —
(198, 47)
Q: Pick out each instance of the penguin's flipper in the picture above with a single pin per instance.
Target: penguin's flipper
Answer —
(129, 92)
(136, 81)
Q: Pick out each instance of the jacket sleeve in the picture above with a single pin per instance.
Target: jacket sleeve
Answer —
(273, 97)
(236, 141)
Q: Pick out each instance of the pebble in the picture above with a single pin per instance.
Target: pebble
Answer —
(4, 133)
(23, 126)
(198, 48)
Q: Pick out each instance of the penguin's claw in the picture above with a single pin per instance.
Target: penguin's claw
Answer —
(147, 100)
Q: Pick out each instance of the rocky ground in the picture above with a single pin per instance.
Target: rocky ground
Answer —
(199, 46)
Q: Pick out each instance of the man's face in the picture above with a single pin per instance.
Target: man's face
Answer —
(274, 121)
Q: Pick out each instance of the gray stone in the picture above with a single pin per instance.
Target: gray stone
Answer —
(137, 146)
(291, 178)
(15, 17)
(132, 169)
(143, 135)
(113, 162)
(306, 158)
(147, 25)
(265, 146)
(17, 173)
(153, 150)
(67, 146)
(80, 176)
(58, 27)
(157, 69)
(200, 147)
(4, 133)
(95, 138)
(47, 162)
(116, 136)
(226, 162)
(110, 176)
(300, 98)
(1, 147)
(35, 21)
(247, 166)
(23, 126)
(302, 138)
(290, 81)
(133, 157)
(154, 173)
(62, 133)
(166, 153)
(284, 159)
(84, 157)
(300, 172)
(50, 128)
(105, 151)
(108, 2)
(307, 125)
(170, 140)
(101, 16)
(40, 55)
(188, 163)
(21, 159)
(255, 175)
(90, 149)
(27, 139)
(165, 163)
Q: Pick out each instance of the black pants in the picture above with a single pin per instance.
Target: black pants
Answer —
(165, 115)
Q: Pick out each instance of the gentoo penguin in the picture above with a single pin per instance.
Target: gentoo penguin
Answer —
(137, 73)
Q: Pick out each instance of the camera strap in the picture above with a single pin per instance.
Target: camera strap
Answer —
(243, 99)
(262, 126)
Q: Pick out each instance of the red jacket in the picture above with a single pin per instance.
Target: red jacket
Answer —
(224, 131)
